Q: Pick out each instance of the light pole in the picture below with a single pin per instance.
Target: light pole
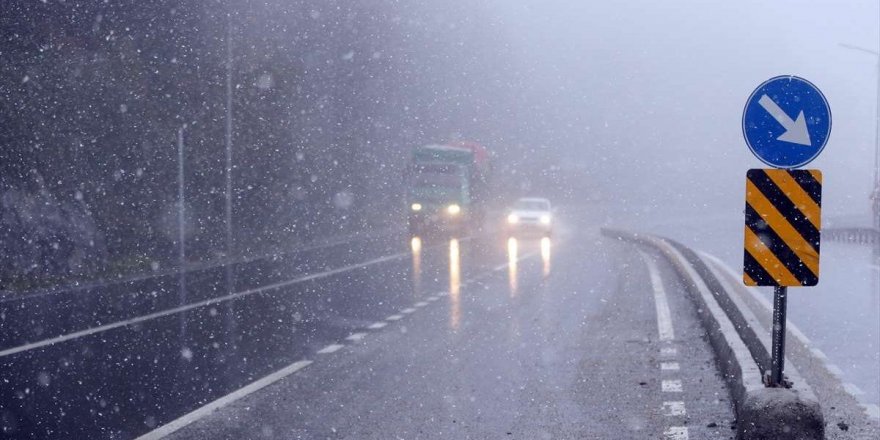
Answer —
(875, 193)
(181, 227)
(228, 208)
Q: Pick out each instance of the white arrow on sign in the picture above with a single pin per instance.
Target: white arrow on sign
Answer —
(795, 130)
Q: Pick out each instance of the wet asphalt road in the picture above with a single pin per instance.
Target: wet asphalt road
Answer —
(539, 340)
(473, 337)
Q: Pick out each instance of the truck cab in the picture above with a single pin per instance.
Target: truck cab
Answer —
(440, 198)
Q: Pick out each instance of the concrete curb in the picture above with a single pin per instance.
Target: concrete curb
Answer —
(762, 413)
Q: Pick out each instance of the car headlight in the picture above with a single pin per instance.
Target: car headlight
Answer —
(513, 219)
(453, 209)
(416, 207)
(544, 219)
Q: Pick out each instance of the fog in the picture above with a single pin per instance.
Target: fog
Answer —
(650, 94)
(643, 100)
(217, 188)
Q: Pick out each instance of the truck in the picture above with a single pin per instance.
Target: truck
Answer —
(447, 188)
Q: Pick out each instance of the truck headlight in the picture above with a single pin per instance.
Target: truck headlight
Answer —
(544, 219)
(453, 209)
(416, 207)
(513, 219)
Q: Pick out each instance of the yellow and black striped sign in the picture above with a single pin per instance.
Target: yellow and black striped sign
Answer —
(783, 226)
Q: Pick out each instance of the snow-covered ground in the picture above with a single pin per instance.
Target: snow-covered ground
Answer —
(841, 315)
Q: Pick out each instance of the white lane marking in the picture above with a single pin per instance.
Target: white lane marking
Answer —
(203, 411)
(674, 409)
(669, 351)
(790, 326)
(408, 310)
(523, 257)
(669, 366)
(664, 317)
(421, 304)
(443, 294)
(835, 370)
(853, 389)
(377, 325)
(394, 318)
(332, 348)
(719, 265)
(671, 386)
(819, 354)
(676, 433)
(872, 410)
(195, 305)
(433, 298)
(355, 337)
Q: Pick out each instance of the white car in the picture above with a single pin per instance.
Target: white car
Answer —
(530, 215)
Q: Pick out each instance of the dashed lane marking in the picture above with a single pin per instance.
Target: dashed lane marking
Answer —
(394, 318)
(671, 386)
(332, 348)
(203, 411)
(676, 433)
(433, 298)
(674, 409)
(175, 425)
(356, 337)
(408, 310)
(667, 334)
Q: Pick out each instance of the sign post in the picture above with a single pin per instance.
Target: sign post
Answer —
(786, 124)
(779, 308)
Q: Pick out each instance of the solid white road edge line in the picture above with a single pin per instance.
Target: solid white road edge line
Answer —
(664, 317)
(205, 410)
(195, 305)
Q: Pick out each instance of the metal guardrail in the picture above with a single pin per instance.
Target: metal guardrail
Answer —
(868, 236)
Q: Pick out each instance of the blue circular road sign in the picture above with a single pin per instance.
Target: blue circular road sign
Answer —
(786, 122)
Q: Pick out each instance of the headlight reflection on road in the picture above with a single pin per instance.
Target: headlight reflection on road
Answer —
(454, 284)
(545, 254)
(512, 248)
(416, 245)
